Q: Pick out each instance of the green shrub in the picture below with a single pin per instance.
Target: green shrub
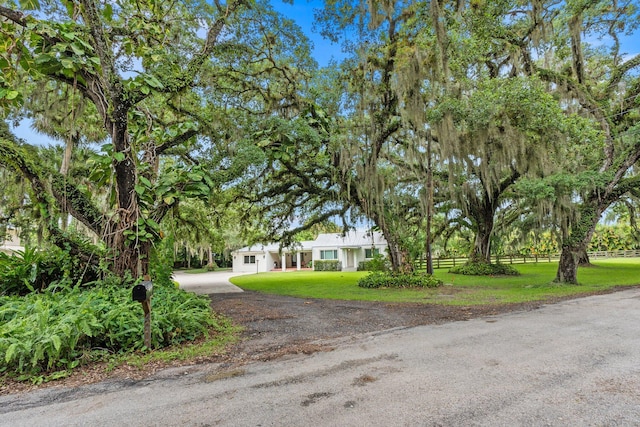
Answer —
(53, 330)
(327, 265)
(485, 269)
(379, 279)
(212, 266)
(378, 263)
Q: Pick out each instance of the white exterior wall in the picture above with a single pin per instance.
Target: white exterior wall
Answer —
(343, 254)
(315, 253)
(264, 262)
(12, 242)
(350, 252)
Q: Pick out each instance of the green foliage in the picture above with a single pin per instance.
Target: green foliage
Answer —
(160, 267)
(614, 238)
(57, 330)
(540, 244)
(327, 265)
(212, 266)
(32, 270)
(378, 263)
(379, 279)
(485, 269)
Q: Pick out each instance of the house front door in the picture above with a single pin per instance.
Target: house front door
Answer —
(349, 258)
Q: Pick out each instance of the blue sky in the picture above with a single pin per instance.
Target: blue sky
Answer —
(302, 12)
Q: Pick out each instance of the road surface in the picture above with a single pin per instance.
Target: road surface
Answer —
(207, 283)
(575, 363)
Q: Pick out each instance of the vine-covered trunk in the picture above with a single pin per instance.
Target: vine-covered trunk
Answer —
(398, 255)
(70, 143)
(574, 248)
(131, 251)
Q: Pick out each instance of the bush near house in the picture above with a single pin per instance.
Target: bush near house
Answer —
(327, 265)
(378, 263)
(485, 269)
(396, 280)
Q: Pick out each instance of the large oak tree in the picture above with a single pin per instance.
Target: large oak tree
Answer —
(166, 79)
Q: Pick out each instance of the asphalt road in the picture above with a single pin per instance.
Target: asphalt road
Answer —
(576, 363)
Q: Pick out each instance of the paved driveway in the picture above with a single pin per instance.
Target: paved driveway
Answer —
(575, 363)
(207, 283)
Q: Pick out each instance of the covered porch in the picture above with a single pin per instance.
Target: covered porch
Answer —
(291, 261)
(349, 258)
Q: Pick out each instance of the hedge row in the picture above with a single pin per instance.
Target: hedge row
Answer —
(396, 280)
(327, 265)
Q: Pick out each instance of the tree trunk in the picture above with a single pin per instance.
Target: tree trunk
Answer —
(428, 240)
(481, 252)
(576, 243)
(70, 143)
(568, 266)
(583, 258)
(397, 254)
(132, 255)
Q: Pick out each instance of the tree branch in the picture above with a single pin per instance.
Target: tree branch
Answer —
(184, 137)
(619, 73)
(589, 103)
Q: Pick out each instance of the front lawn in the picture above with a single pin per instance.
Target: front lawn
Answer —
(533, 284)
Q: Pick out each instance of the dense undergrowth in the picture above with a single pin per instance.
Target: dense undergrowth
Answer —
(53, 329)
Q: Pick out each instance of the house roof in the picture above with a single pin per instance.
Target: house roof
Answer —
(353, 239)
(305, 245)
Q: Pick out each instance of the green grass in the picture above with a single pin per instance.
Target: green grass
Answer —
(216, 343)
(534, 284)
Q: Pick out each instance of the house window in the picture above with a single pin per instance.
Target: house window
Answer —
(370, 253)
(329, 254)
(249, 259)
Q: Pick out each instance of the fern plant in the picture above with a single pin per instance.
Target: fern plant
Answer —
(43, 332)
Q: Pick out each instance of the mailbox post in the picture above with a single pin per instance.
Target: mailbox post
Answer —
(142, 293)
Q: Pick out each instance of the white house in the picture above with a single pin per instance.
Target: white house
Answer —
(349, 250)
(11, 242)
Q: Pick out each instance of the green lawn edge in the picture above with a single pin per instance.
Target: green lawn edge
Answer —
(533, 284)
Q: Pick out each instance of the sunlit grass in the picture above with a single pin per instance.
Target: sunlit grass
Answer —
(534, 284)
